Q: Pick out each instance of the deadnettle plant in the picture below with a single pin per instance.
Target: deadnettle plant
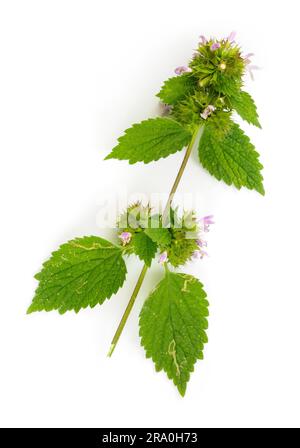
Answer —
(199, 103)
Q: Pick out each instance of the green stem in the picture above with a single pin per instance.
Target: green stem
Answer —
(128, 310)
(179, 175)
(145, 268)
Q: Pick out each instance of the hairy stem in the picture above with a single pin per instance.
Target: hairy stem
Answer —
(145, 268)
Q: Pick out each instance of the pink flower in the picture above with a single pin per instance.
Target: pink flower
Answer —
(166, 108)
(208, 219)
(250, 69)
(231, 37)
(199, 254)
(248, 56)
(207, 111)
(203, 40)
(201, 243)
(182, 69)
(206, 222)
(196, 255)
(163, 258)
(249, 66)
(215, 46)
(125, 238)
(203, 254)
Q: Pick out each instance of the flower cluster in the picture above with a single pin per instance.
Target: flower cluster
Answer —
(215, 73)
(180, 241)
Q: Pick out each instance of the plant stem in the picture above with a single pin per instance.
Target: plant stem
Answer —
(145, 268)
(179, 175)
(128, 310)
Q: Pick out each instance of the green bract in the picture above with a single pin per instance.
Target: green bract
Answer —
(177, 236)
(177, 89)
(220, 70)
(144, 247)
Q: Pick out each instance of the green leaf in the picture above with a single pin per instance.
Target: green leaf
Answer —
(144, 247)
(83, 272)
(161, 236)
(229, 86)
(151, 140)
(176, 89)
(231, 157)
(172, 326)
(246, 108)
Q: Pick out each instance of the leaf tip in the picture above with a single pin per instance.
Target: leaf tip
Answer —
(109, 156)
(182, 390)
(261, 190)
(30, 309)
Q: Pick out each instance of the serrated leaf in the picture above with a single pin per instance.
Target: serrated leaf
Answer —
(151, 140)
(172, 326)
(231, 158)
(161, 236)
(81, 273)
(176, 89)
(144, 247)
(246, 108)
(228, 86)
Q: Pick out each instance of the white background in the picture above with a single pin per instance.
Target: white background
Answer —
(74, 75)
